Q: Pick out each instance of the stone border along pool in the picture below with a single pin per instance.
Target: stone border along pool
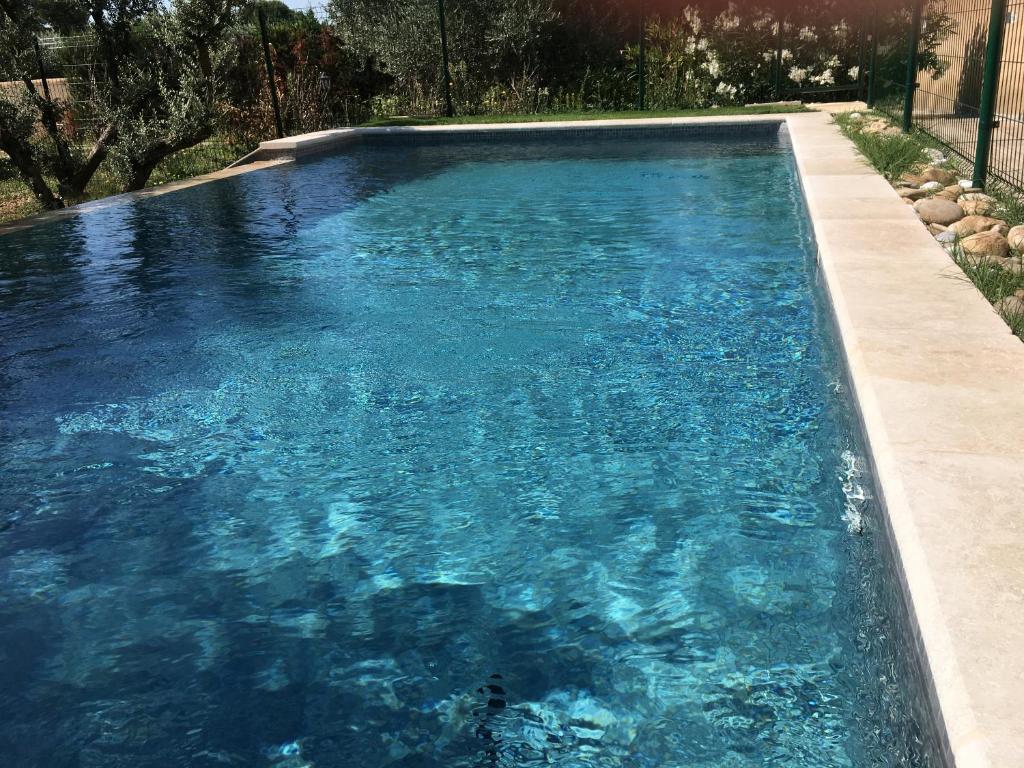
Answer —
(937, 379)
(957, 214)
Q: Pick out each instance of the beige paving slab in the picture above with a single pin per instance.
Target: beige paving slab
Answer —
(938, 379)
(969, 522)
(863, 208)
(826, 185)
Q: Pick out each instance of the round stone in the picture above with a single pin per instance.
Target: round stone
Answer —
(941, 175)
(938, 211)
(1012, 305)
(986, 244)
(909, 193)
(977, 204)
(971, 225)
(1016, 238)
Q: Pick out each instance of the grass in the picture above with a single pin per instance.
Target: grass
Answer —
(895, 156)
(16, 202)
(995, 284)
(892, 156)
(767, 109)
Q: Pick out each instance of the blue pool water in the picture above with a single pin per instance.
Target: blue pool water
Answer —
(475, 455)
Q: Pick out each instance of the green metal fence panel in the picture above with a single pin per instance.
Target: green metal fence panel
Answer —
(1006, 156)
(951, 73)
(893, 28)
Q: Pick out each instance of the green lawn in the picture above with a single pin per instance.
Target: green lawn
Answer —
(769, 109)
(16, 201)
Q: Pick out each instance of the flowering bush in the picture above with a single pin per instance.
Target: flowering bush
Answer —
(697, 61)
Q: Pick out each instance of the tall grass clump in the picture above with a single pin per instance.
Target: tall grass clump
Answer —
(894, 156)
(995, 284)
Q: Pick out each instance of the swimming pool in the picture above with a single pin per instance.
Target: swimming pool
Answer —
(457, 454)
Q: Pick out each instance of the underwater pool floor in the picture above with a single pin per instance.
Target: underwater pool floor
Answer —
(464, 455)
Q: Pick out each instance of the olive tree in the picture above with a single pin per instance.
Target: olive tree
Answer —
(72, 164)
(158, 72)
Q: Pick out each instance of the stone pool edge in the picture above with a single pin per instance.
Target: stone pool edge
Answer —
(933, 368)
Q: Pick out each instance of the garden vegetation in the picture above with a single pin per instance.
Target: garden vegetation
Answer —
(140, 91)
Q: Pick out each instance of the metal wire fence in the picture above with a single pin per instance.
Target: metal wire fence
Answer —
(967, 88)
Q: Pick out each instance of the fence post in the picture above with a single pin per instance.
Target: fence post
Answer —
(449, 110)
(270, 72)
(989, 91)
(42, 68)
(861, 45)
(777, 75)
(641, 69)
(911, 84)
(873, 58)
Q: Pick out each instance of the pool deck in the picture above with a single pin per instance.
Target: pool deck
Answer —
(939, 383)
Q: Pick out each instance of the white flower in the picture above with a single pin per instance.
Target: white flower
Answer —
(713, 67)
(769, 55)
(692, 16)
(854, 72)
(728, 20)
(786, 54)
(797, 75)
(833, 62)
(807, 34)
(825, 78)
(724, 89)
(703, 44)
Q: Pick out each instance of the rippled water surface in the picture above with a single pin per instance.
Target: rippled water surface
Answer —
(479, 455)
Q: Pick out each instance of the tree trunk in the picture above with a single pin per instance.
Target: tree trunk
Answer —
(48, 117)
(24, 160)
(80, 180)
(142, 168)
